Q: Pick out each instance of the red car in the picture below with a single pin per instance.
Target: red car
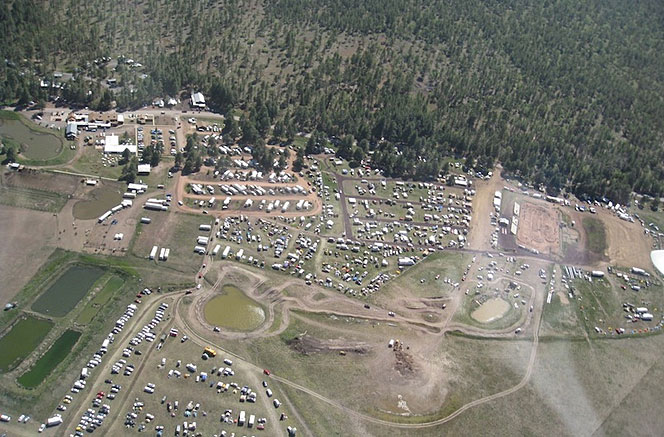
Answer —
(267, 372)
(100, 395)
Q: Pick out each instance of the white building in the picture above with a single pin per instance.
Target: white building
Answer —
(197, 100)
(112, 145)
(143, 168)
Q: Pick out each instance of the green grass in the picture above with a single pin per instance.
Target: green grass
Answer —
(596, 234)
(32, 198)
(63, 295)
(89, 162)
(446, 264)
(181, 239)
(21, 340)
(28, 133)
(50, 360)
(100, 299)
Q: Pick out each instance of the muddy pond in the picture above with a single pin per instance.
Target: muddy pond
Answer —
(232, 309)
(491, 310)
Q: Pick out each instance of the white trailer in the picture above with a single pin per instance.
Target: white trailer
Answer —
(146, 220)
(238, 255)
(406, 261)
(225, 253)
(155, 206)
(285, 206)
(153, 252)
(216, 249)
(54, 421)
(241, 418)
(104, 216)
(202, 241)
(248, 203)
(205, 228)
(161, 254)
(166, 253)
(199, 250)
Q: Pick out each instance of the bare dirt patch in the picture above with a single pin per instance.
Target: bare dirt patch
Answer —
(626, 243)
(539, 228)
(27, 237)
(479, 235)
(307, 345)
(39, 180)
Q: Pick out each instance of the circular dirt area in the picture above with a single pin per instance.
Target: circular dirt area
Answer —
(492, 309)
(232, 309)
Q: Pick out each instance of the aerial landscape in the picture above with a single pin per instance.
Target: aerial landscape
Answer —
(331, 218)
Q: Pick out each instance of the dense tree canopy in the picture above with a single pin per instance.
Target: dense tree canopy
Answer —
(564, 93)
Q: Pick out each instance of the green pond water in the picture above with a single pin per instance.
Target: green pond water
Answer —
(49, 361)
(103, 199)
(492, 309)
(21, 340)
(34, 143)
(234, 310)
(67, 290)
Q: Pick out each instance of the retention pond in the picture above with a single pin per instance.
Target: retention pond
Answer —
(492, 309)
(232, 309)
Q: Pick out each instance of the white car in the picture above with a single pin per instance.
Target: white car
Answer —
(42, 427)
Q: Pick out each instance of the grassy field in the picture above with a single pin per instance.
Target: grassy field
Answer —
(31, 198)
(99, 300)
(600, 304)
(180, 236)
(50, 360)
(89, 162)
(65, 293)
(21, 340)
(561, 319)
(448, 371)
(446, 264)
(596, 235)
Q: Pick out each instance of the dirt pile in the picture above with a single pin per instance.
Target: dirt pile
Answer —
(307, 345)
(403, 361)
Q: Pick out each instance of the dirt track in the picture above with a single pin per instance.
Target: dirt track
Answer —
(532, 319)
(538, 228)
(479, 234)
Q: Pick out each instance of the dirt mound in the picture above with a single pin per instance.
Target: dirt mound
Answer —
(306, 345)
(403, 360)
